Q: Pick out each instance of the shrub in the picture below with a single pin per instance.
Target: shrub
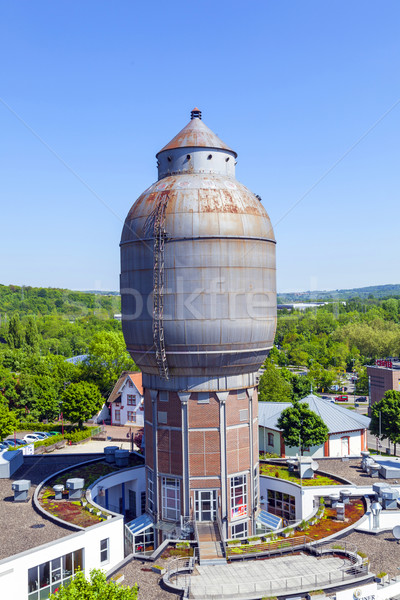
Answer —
(362, 554)
(49, 441)
(78, 436)
(381, 574)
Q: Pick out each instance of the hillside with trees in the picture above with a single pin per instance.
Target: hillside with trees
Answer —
(40, 328)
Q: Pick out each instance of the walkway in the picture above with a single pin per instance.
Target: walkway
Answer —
(209, 542)
(273, 577)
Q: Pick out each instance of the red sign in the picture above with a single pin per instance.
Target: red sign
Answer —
(384, 363)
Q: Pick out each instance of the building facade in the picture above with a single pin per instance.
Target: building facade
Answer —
(126, 401)
(199, 317)
(383, 376)
(347, 430)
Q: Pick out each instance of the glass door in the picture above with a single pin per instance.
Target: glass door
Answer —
(206, 505)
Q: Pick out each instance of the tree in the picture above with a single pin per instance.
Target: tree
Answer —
(385, 418)
(301, 385)
(8, 422)
(300, 424)
(16, 333)
(107, 359)
(80, 401)
(272, 386)
(31, 334)
(95, 588)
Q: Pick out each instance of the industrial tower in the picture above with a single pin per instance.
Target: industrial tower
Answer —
(199, 316)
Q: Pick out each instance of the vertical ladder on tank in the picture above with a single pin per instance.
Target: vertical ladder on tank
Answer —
(158, 287)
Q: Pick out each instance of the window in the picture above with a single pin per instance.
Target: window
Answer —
(270, 439)
(105, 550)
(130, 383)
(117, 415)
(171, 498)
(282, 505)
(141, 407)
(162, 417)
(143, 542)
(238, 496)
(142, 502)
(131, 416)
(239, 530)
(242, 395)
(244, 414)
(131, 400)
(203, 398)
(150, 490)
(163, 396)
(46, 578)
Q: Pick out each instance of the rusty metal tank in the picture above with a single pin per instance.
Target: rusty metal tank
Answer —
(198, 270)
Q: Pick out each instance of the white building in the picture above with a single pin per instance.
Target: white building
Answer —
(126, 400)
(347, 429)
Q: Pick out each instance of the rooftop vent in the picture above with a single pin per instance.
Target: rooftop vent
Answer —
(195, 114)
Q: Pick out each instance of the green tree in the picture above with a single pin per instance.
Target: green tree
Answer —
(302, 385)
(80, 401)
(385, 418)
(272, 386)
(31, 334)
(16, 333)
(108, 357)
(95, 588)
(301, 425)
(8, 422)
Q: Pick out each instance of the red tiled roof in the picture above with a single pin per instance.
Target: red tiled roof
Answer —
(134, 376)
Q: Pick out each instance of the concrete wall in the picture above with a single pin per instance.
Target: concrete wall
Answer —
(337, 448)
(14, 570)
(117, 486)
(263, 440)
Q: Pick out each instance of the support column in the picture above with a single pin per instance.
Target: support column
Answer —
(253, 507)
(184, 398)
(154, 395)
(222, 396)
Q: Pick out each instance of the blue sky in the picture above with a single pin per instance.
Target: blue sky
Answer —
(90, 91)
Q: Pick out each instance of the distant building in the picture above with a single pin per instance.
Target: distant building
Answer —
(126, 400)
(304, 305)
(347, 429)
(383, 376)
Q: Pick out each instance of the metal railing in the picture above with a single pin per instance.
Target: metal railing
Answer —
(178, 573)
(196, 532)
(276, 587)
(221, 533)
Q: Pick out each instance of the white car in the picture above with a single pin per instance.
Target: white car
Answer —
(31, 437)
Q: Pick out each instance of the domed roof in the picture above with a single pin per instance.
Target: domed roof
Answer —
(200, 204)
(196, 135)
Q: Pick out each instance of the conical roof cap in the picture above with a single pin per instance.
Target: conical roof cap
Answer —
(196, 135)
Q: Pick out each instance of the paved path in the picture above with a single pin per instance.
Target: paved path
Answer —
(209, 541)
(268, 577)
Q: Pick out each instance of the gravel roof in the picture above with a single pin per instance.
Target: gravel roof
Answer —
(27, 528)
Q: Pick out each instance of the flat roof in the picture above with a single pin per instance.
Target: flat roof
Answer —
(26, 528)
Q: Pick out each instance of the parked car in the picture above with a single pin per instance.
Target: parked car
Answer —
(41, 434)
(30, 438)
(362, 399)
(16, 442)
(3, 446)
(51, 433)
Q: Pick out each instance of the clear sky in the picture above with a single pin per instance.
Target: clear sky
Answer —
(90, 91)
